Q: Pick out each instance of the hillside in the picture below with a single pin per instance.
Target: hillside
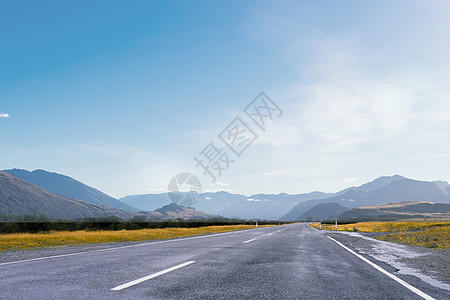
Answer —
(174, 211)
(19, 197)
(394, 191)
(377, 183)
(214, 203)
(323, 211)
(68, 187)
(267, 206)
(399, 210)
(211, 203)
(344, 200)
(146, 202)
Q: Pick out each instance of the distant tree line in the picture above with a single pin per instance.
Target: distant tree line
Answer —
(35, 224)
(24, 218)
(345, 221)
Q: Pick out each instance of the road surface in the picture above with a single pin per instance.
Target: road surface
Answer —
(283, 262)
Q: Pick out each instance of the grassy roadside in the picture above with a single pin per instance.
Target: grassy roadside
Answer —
(26, 241)
(425, 234)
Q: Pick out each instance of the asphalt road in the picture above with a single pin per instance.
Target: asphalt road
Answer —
(286, 262)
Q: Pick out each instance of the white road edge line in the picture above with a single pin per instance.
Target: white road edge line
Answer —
(140, 280)
(249, 241)
(405, 284)
(313, 228)
(129, 246)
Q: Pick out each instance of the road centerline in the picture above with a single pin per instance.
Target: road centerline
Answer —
(140, 280)
(249, 241)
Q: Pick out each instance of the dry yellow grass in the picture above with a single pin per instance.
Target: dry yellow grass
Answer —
(426, 234)
(381, 226)
(25, 241)
(434, 237)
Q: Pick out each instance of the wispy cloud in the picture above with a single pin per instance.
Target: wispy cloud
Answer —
(4, 115)
(354, 111)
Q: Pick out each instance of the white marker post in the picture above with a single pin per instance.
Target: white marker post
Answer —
(336, 224)
(257, 223)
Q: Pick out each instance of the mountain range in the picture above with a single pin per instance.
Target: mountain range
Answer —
(399, 210)
(174, 211)
(258, 206)
(69, 187)
(212, 203)
(19, 197)
(59, 196)
(266, 206)
(379, 191)
(323, 211)
(146, 202)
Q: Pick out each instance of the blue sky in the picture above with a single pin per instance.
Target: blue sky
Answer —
(122, 96)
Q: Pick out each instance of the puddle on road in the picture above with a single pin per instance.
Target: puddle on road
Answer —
(392, 253)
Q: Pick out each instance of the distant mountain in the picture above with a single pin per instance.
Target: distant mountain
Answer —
(395, 191)
(257, 206)
(214, 203)
(68, 187)
(267, 206)
(443, 186)
(260, 206)
(292, 207)
(19, 197)
(377, 183)
(345, 200)
(208, 202)
(323, 211)
(147, 202)
(175, 211)
(399, 210)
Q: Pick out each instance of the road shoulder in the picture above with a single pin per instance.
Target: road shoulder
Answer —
(417, 264)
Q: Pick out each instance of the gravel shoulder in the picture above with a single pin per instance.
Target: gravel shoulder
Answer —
(430, 266)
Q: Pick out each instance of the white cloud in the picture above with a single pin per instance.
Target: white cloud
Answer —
(256, 200)
(355, 111)
(217, 183)
(157, 190)
(216, 186)
(4, 115)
